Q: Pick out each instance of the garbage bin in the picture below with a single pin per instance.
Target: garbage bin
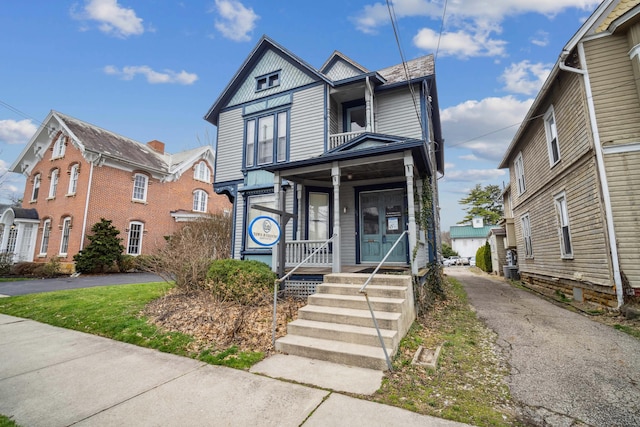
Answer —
(510, 272)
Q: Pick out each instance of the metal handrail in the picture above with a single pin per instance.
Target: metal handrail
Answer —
(277, 282)
(364, 291)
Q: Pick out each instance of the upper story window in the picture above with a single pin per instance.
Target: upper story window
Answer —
(140, 184)
(200, 200)
(268, 81)
(518, 166)
(526, 235)
(53, 186)
(355, 119)
(36, 187)
(201, 172)
(563, 222)
(134, 238)
(46, 230)
(266, 139)
(59, 147)
(66, 231)
(73, 179)
(551, 132)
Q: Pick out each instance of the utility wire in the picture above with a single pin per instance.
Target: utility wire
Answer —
(444, 13)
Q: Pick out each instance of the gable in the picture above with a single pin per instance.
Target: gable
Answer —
(291, 77)
(339, 69)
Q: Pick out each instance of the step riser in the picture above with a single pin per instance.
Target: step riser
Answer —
(360, 279)
(391, 307)
(331, 356)
(344, 289)
(350, 337)
(347, 320)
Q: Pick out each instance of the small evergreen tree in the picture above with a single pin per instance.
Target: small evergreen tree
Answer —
(103, 252)
(487, 258)
(447, 251)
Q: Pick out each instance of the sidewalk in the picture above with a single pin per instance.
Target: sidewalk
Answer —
(51, 376)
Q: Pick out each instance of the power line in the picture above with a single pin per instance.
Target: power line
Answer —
(444, 12)
(19, 112)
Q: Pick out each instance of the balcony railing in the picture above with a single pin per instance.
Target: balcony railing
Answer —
(337, 139)
(298, 250)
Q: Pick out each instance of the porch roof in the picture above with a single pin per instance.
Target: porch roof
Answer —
(358, 150)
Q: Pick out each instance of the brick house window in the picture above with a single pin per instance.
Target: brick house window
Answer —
(200, 198)
(202, 172)
(53, 185)
(73, 179)
(140, 184)
(59, 147)
(134, 238)
(66, 231)
(46, 230)
(36, 187)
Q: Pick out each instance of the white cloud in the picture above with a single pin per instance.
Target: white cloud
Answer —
(236, 21)
(525, 77)
(153, 77)
(113, 18)
(541, 39)
(461, 43)
(16, 132)
(484, 127)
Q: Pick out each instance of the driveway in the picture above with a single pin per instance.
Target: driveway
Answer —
(566, 370)
(23, 287)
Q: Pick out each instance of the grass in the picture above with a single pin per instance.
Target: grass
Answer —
(113, 312)
(634, 332)
(7, 422)
(468, 385)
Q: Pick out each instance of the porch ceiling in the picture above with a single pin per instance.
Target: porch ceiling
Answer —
(352, 170)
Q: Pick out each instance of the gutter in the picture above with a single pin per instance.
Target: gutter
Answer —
(615, 260)
(86, 203)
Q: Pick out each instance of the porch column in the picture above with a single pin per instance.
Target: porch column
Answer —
(413, 241)
(335, 177)
(275, 250)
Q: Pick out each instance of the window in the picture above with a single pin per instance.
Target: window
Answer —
(518, 165)
(266, 200)
(53, 186)
(59, 147)
(268, 81)
(200, 201)
(46, 230)
(526, 235)
(356, 119)
(66, 230)
(318, 216)
(134, 240)
(260, 135)
(552, 136)
(563, 223)
(201, 172)
(140, 183)
(36, 187)
(73, 179)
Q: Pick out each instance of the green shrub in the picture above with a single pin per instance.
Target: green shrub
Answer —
(480, 258)
(483, 258)
(24, 269)
(126, 263)
(104, 251)
(244, 282)
(52, 268)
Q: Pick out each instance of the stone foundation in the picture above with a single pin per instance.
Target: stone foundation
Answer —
(571, 289)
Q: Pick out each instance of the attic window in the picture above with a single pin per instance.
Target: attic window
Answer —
(268, 81)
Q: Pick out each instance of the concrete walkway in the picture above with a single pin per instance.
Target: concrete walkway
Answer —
(566, 369)
(52, 377)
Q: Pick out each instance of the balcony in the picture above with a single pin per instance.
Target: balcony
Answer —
(338, 139)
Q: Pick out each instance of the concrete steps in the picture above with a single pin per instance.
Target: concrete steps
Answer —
(336, 324)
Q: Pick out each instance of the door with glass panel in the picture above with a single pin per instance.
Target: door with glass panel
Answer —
(382, 221)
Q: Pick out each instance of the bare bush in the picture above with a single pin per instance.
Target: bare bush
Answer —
(189, 252)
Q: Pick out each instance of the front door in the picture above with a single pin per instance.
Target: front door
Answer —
(382, 221)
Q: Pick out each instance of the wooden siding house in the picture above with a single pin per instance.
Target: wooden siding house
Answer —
(348, 152)
(575, 165)
(78, 173)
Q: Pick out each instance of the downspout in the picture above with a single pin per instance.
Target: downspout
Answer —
(615, 261)
(369, 106)
(86, 203)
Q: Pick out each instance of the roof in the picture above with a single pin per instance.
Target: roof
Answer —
(417, 68)
(468, 232)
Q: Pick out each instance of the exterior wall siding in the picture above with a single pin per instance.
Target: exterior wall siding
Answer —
(230, 146)
(623, 173)
(395, 114)
(614, 90)
(307, 129)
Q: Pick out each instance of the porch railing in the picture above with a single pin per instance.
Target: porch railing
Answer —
(277, 283)
(337, 139)
(315, 253)
(363, 290)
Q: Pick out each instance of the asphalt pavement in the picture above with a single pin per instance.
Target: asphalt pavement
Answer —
(566, 369)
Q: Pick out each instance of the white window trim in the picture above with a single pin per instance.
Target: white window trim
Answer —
(53, 185)
(562, 211)
(64, 240)
(129, 233)
(202, 172)
(146, 187)
(200, 200)
(37, 182)
(46, 232)
(551, 133)
(525, 223)
(73, 179)
(518, 166)
(59, 147)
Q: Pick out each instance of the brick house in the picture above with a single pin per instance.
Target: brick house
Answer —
(78, 173)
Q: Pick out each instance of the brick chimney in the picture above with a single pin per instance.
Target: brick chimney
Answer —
(156, 145)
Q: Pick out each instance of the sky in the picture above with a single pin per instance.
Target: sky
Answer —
(151, 69)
